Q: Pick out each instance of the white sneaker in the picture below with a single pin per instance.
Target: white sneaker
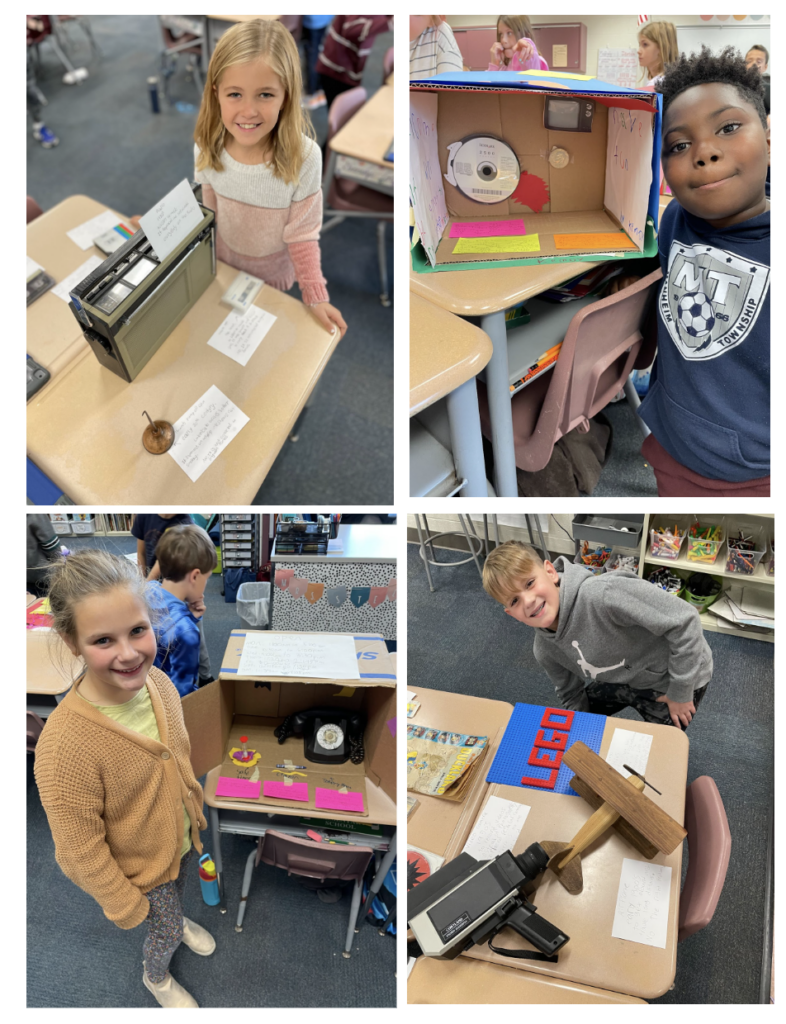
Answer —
(197, 938)
(168, 993)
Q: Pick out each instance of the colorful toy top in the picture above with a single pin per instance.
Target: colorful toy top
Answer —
(594, 559)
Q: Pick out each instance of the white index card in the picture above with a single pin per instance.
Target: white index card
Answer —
(84, 234)
(303, 656)
(629, 747)
(642, 910)
(240, 333)
(172, 219)
(497, 829)
(63, 288)
(204, 431)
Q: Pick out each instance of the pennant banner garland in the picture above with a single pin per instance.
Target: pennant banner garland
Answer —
(313, 592)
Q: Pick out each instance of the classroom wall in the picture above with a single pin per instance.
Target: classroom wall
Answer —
(609, 30)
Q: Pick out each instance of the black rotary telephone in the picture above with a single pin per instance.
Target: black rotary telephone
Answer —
(330, 735)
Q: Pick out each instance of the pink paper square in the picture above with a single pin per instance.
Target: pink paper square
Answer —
(331, 800)
(488, 228)
(280, 791)
(237, 788)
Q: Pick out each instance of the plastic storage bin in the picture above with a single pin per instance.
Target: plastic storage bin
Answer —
(746, 547)
(622, 560)
(668, 581)
(701, 590)
(705, 539)
(593, 557)
(62, 529)
(84, 526)
(664, 541)
(771, 558)
(253, 604)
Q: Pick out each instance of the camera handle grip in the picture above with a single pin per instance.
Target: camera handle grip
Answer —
(535, 929)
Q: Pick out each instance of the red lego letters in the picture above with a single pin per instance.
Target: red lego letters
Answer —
(558, 721)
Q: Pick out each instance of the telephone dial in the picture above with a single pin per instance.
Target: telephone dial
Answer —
(330, 735)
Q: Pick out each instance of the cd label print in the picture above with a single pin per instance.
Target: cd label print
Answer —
(483, 168)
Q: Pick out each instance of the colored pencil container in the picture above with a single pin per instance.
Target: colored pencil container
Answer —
(701, 590)
(705, 539)
(667, 537)
(746, 547)
(622, 561)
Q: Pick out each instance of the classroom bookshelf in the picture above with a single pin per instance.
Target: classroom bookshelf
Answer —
(683, 567)
(102, 524)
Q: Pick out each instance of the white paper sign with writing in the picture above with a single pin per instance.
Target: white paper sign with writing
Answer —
(629, 169)
(619, 66)
(314, 656)
(629, 747)
(171, 220)
(426, 191)
(642, 911)
(98, 225)
(204, 431)
(497, 829)
(240, 333)
(62, 289)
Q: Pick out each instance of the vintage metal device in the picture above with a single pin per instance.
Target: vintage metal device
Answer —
(130, 305)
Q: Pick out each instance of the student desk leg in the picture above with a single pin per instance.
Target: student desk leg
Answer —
(466, 438)
(214, 827)
(500, 413)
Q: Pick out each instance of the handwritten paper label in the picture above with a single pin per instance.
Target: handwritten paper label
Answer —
(171, 220)
(240, 333)
(510, 243)
(629, 169)
(280, 791)
(62, 289)
(426, 191)
(205, 431)
(559, 55)
(629, 747)
(99, 225)
(330, 800)
(497, 828)
(619, 66)
(237, 788)
(306, 656)
(642, 910)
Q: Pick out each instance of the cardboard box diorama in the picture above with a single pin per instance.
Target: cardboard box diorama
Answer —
(516, 168)
(347, 718)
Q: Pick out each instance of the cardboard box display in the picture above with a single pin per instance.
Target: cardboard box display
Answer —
(218, 714)
(609, 185)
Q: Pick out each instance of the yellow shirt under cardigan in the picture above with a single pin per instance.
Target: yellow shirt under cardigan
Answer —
(113, 799)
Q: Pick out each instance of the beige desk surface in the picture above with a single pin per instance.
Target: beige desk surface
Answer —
(593, 957)
(441, 826)
(53, 335)
(51, 667)
(369, 134)
(85, 429)
(479, 292)
(389, 79)
(444, 352)
(470, 981)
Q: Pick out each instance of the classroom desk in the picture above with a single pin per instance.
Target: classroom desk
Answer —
(51, 668)
(368, 560)
(217, 24)
(446, 354)
(53, 335)
(84, 430)
(593, 957)
(366, 136)
(487, 294)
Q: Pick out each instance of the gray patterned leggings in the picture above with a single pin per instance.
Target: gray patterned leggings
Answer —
(609, 698)
(165, 922)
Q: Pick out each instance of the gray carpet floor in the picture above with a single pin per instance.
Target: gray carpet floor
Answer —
(76, 957)
(459, 639)
(115, 150)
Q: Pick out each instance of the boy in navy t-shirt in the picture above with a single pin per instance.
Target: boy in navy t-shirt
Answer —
(708, 404)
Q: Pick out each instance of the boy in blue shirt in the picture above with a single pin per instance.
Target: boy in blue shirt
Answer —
(187, 558)
(708, 404)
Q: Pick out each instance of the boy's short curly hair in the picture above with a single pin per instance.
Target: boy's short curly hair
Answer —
(505, 568)
(701, 68)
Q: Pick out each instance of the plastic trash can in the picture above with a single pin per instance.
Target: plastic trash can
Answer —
(253, 604)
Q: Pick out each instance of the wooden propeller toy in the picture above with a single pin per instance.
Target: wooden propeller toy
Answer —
(619, 803)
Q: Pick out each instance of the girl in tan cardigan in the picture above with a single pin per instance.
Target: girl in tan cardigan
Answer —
(113, 768)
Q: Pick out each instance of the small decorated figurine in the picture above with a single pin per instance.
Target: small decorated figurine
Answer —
(242, 755)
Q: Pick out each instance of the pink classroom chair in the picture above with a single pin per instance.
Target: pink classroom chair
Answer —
(33, 209)
(709, 849)
(35, 727)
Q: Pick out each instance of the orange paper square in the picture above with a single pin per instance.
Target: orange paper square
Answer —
(597, 240)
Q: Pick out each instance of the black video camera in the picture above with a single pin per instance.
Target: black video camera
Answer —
(467, 902)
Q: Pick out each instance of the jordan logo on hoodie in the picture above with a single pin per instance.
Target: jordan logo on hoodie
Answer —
(592, 670)
(710, 299)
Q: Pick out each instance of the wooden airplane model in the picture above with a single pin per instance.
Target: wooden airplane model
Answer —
(621, 804)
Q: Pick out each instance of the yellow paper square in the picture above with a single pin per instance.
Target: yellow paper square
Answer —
(594, 240)
(557, 74)
(505, 243)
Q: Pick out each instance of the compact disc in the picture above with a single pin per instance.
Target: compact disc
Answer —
(485, 169)
(330, 736)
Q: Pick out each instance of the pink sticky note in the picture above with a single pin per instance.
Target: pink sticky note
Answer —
(279, 791)
(331, 800)
(487, 228)
(237, 788)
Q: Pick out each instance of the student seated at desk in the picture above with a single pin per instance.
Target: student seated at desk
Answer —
(648, 645)
(187, 558)
(708, 405)
(124, 808)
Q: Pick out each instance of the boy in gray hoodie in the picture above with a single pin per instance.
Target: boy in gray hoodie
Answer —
(606, 642)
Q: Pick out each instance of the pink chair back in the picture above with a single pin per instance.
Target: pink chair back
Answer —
(314, 860)
(709, 847)
(33, 209)
(604, 342)
(345, 194)
(343, 107)
(35, 727)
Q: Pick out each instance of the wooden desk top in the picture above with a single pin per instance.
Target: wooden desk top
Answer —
(53, 335)
(85, 429)
(369, 134)
(470, 981)
(593, 957)
(441, 826)
(51, 667)
(444, 352)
